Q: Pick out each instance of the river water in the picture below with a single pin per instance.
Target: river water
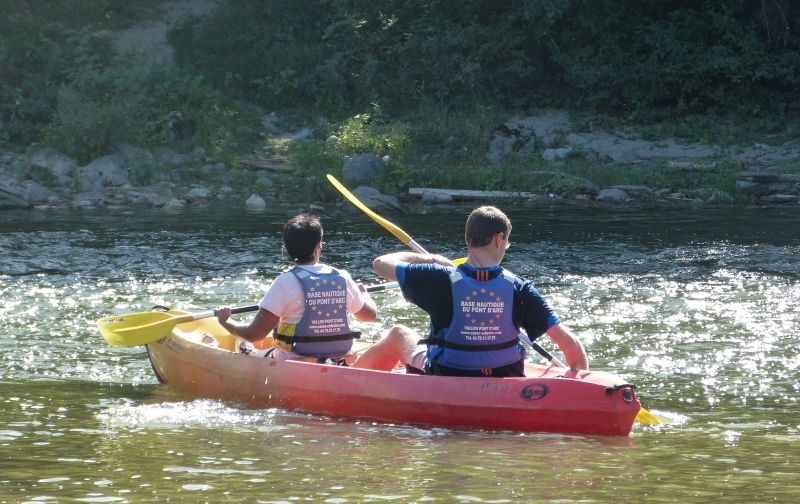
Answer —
(699, 309)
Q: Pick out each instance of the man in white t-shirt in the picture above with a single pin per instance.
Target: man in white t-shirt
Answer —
(308, 305)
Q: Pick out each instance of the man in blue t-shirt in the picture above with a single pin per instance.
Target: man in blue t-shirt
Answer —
(476, 310)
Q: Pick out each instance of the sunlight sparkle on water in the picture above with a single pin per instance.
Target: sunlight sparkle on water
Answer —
(170, 415)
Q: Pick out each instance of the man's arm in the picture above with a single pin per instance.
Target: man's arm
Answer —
(570, 345)
(386, 265)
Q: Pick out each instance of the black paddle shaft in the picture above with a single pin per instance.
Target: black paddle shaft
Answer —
(371, 288)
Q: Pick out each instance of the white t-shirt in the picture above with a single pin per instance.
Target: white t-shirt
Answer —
(285, 299)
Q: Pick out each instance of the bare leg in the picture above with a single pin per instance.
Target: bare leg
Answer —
(395, 347)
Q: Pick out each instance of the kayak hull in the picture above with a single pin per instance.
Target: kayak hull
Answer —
(548, 399)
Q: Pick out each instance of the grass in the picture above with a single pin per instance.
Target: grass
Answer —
(447, 150)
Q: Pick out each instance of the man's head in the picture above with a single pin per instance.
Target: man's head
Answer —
(483, 224)
(301, 235)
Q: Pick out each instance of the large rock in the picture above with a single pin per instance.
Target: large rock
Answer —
(140, 162)
(512, 137)
(255, 202)
(107, 171)
(555, 155)
(197, 194)
(59, 165)
(376, 200)
(151, 197)
(635, 191)
(37, 193)
(362, 169)
(613, 195)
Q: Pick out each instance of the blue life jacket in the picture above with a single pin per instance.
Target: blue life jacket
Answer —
(323, 331)
(482, 334)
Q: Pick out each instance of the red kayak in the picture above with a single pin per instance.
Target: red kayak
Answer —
(198, 358)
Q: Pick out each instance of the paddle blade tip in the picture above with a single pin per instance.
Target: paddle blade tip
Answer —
(644, 417)
(106, 327)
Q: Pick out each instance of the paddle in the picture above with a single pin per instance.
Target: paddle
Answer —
(399, 233)
(136, 329)
(643, 416)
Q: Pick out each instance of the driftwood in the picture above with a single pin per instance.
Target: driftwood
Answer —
(277, 163)
(768, 178)
(693, 166)
(468, 194)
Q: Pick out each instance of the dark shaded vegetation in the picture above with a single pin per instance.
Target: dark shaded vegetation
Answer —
(644, 61)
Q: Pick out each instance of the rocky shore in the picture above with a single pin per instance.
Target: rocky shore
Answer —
(131, 176)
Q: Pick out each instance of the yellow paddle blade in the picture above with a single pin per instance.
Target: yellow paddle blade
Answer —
(459, 261)
(396, 231)
(136, 329)
(646, 418)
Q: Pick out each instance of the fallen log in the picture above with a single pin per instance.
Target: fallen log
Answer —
(466, 194)
(767, 178)
(279, 164)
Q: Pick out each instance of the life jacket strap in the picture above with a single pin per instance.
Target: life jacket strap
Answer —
(468, 348)
(315, 339)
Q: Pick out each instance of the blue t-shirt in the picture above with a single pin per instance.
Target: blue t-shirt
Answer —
(428, 286)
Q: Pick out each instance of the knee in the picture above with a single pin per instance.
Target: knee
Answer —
(399, 333)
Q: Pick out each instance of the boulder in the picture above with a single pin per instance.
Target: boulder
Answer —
(613, 195)
(151, 197)
(638, 189)
(255, 202)
(174, 205)
(37, 193)
(375, 200)
(224, 192)
(508, 138)
(59, 165)
(555, 155)
(362, 169)
(107, 171)
(197, 194)
(88, 200)
(500, 147)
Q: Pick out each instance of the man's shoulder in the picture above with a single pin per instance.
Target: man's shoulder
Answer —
(522, 285)
(427, 269)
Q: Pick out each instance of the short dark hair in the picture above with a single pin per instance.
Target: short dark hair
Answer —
(301, 235)
(483, 223)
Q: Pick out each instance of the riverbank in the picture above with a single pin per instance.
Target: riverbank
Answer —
(535, 160)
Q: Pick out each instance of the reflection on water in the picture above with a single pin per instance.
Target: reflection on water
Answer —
(700, 310)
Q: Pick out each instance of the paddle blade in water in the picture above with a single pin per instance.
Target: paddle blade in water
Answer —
(136, 329)
(644, 417)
